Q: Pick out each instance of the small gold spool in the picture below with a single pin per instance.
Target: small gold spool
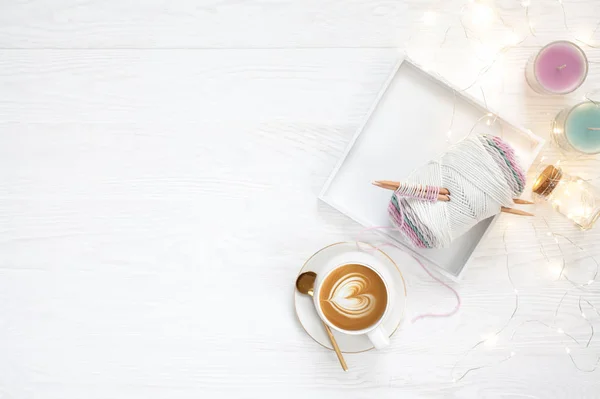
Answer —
(547, 181)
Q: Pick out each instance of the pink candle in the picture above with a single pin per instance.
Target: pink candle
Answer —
(559, 68)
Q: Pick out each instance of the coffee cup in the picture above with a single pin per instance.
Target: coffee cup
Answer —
(353, 295)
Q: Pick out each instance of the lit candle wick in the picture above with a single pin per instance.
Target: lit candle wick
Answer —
(593, 128)
(563, 66)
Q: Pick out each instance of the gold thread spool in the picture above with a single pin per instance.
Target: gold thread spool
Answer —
(547, 181)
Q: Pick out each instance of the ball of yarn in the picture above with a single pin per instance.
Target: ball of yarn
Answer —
(481, 173)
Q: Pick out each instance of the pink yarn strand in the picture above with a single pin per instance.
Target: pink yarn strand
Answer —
(447, 314)
(424, 315)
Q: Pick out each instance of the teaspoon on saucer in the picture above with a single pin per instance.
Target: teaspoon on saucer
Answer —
(305, 284)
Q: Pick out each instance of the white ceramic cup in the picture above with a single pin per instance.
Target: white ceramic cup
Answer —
(376, 333)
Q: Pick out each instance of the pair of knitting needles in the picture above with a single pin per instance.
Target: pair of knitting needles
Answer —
(444, 196)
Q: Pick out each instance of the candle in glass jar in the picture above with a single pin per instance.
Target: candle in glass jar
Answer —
(559, 68)
(575, 198)
(577, 129)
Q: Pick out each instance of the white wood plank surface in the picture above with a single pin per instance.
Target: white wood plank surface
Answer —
(159, 167)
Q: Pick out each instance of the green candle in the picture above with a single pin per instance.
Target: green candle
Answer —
(578, 129)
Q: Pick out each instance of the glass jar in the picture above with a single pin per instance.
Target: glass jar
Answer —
(558, 68)
(575, 198)
(577, 129)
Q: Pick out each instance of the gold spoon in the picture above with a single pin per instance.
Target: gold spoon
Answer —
(305, 283)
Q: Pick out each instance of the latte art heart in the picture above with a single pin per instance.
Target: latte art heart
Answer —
(350, 297)
(353, 297)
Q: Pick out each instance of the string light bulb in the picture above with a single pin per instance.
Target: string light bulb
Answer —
(487, 54)
(512, 39)
(429, 18)
(482, 14)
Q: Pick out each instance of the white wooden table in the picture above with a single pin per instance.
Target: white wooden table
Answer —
(159, 167)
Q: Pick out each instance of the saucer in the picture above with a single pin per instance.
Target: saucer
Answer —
(307, 314)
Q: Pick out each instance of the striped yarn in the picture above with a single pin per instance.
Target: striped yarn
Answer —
(417, 191)
(482, 174)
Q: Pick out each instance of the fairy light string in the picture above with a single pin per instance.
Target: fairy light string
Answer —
(493, 338)
(553, 325)
(488, 12)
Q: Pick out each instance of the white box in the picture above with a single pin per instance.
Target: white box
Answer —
(406, 127)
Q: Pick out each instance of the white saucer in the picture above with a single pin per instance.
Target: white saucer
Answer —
(312, 324)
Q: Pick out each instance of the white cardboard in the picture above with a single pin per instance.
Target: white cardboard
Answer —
(406, 127)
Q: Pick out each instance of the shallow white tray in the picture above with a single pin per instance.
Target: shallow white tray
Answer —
(405, 128)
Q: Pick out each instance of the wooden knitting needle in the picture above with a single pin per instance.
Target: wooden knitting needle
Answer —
(522, 202)
(442, 196)
(391, 185)
(516, 211)
(394, 185)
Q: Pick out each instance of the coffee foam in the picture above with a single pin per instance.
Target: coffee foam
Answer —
(353, 297)
(350, 298)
